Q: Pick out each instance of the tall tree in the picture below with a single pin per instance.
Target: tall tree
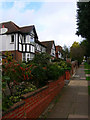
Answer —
(83, 20)
(85, 46)
(76, 52)
(65, 52)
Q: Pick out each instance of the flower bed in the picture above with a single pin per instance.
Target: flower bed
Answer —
(21, 78)
(34, 103)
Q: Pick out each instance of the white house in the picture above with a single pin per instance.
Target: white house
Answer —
(58, 52)
(50, 48)
(20, 41)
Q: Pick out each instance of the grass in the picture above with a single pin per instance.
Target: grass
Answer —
(87, 71)
(87, 78)
(87, 66)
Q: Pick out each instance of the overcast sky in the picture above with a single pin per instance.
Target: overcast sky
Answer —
(53, 20)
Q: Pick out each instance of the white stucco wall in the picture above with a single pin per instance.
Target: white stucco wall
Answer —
(5, 43)
(43, 49)
(53, 50)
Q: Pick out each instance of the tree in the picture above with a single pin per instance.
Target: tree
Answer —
(83, 18)
(65, 52)
(76, 52)
(85, 46)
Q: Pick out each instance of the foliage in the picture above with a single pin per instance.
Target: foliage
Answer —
(83, 18)
(88, 78)
(41, 58)
(87, 71)
(76, 52)
(21, 78)
(64, 65)
(9, 100)
(14, 73)
(8, 56)
(52, 72)
(65, 52)
(86, 49)
(39, 75)
(86, 65)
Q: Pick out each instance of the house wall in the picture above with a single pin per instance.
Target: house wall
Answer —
(53, 51)
(43, 49)
(38, 47)
(5, 42)
(59, 54)
(16, 55)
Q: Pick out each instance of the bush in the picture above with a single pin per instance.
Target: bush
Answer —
(42, 59)
(54, 71)
(39, 75)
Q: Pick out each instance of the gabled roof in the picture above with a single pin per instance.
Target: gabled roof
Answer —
(13, 28)
(26, 29)
(58, 48)
(48, 44)
(40, 43)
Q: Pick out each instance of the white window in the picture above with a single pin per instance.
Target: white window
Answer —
(12, 38)
(28, 48)
(24, 57)
(28, 57)
(31, 56)
(31, 40)
(32, 49)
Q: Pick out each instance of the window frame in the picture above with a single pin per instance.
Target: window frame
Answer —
(12, 36)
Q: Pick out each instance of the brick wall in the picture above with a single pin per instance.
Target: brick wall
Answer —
(34, 103)
(16, 55)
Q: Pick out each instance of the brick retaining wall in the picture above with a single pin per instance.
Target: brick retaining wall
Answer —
(34, 103)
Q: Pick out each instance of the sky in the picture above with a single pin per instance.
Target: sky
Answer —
(53, 20)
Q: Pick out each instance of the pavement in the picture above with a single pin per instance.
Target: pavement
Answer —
(73, 103)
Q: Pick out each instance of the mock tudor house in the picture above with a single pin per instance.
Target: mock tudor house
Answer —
(39, 47)
(50, 48)
(58, 51)
(21, 42)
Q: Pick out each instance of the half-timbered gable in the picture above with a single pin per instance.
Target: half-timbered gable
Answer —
(20, 39)
(58, 51)
(50, 47)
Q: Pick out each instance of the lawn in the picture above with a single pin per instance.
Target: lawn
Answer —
(87, 71)
(87, 78)
(87, 66)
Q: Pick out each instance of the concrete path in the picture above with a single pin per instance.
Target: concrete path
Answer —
(74, 101)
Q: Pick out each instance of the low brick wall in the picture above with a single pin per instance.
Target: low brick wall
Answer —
(34, 103)
(68, 75)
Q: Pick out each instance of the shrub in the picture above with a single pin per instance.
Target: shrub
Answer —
(52, 72)
(42, 59)
(39, 75)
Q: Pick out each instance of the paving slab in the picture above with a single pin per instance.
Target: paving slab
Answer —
(74, 101)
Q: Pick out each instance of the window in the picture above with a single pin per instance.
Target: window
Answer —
(24, 57)
(12, 38)
(31, 56)
(28, 57)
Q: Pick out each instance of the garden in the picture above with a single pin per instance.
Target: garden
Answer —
(19, 78)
